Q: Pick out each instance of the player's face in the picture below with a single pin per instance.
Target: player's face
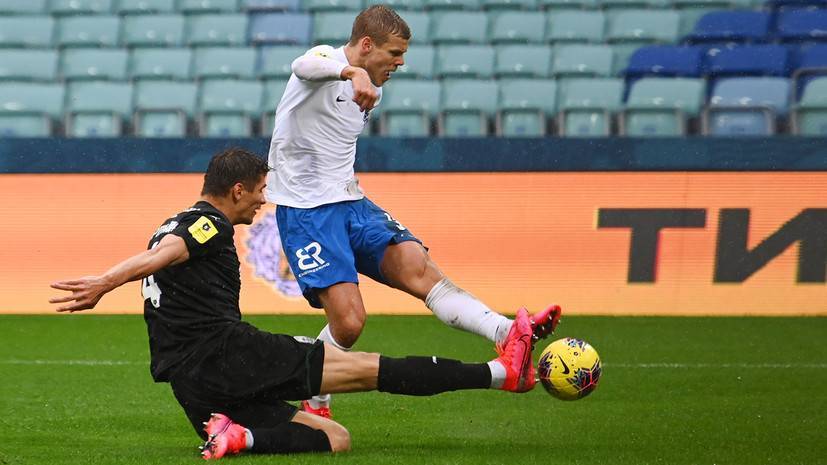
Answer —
(250, 202)
(384, 59)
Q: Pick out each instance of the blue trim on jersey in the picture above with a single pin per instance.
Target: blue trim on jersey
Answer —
(332, 243)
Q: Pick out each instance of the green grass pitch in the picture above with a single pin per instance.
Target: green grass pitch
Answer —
(75, 389)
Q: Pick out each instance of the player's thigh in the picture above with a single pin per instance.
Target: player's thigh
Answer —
(407, 266)
(343, 306)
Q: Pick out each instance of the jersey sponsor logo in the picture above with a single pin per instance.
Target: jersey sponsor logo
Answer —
(322, 54)
(310, 256)
(340, 99)
(165, 228)
(202, 230)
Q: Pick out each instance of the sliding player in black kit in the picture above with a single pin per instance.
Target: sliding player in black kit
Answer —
(235, 378)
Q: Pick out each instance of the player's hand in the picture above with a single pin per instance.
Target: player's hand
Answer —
(85, 293)
(364, 94)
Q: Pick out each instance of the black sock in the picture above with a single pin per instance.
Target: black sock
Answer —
(289, 438)
(426, 376)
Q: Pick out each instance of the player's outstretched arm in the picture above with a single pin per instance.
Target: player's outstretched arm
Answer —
(87, 291)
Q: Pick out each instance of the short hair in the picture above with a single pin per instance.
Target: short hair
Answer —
(379, 22)
(232, 166)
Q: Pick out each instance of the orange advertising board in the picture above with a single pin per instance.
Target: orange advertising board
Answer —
(596, 243)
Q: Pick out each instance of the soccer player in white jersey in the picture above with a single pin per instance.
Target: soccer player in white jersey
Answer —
(329, 230)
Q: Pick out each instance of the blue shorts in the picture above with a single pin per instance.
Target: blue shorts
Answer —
(331, 243)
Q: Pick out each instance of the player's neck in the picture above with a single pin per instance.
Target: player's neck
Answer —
(353, 57)
(222, 204)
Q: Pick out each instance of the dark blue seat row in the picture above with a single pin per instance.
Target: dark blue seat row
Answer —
(794, 25)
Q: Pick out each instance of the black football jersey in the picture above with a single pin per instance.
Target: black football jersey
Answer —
(189, 305)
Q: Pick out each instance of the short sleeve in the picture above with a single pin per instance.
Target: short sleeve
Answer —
(203, 234)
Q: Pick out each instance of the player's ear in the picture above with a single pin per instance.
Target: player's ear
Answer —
(367, 44)
(237, 190)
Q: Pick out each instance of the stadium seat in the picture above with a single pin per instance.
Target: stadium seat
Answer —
(665, 61)
(74, 7)
(734, 26)
(28, 109)
(419, 22)
(747, 60)
(408, 107)
(398, 4)
(568, 4)
(621, 54)
(276, 62)
(126, 7)
(454, 27)
(162, 108)
(161, 63)
(661, 106)
(208, 6)
(224, 62)
(153, 30)
(522, 61)
(217, 29)
(88, 31)
(97, 108)
(811, 62)
(576, 26)
(466, 107)
(614, 5)
(280, 28)
(465, 61)
(270, 5)
(28, 7)
(273, 91)
(28, 65)
(333, 28)
(644, 26)
(517, 27)
(809, 116)
(490, 5)
(26, 31)
(94, 63)
(802, 25)
(746, 106)
(586, 106)
(691, 14)
(524, 106)
(809, 4)
(582, 61)
(331, 5)
(419, 63)
(227, 107)
(452, 4)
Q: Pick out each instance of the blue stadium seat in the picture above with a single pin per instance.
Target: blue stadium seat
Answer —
(419, 63)
(465, 61)
(455, 27)
(746, 106)
(809, 116)
(208, 6)
(88, 31)
(280, 28)
(665, 61)
(587, 106)
(276, 62)
(270, 5)
(97, 108)
(802, 25)
(29, 109)
(94, 63)
(228, 107)
(224, 62)
(162, 108)
(74, 7)
(26, 31)
(524, 107)
(781, 4)
(216, 29)
(161, 63)
(18, 7)
(735, 26)
(126, 7)
(28, 65)
(748, 60)
(153, 30)
(467, 105)
(408, 107)
(517, 61)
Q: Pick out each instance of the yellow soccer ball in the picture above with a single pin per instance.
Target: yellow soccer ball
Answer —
(569, 368)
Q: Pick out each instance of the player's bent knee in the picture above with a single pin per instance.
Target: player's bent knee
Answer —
(347, 330)
(338, 436)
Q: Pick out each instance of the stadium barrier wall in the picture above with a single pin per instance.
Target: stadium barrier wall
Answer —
(688, 243)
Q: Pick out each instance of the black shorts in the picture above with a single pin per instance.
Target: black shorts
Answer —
(248, 376)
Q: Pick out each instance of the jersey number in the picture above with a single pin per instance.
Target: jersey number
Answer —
(150, 289)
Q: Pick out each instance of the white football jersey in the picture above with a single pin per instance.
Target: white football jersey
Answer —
(313, 148)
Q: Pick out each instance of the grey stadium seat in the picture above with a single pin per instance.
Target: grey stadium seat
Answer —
(73, 7)
(88, 31)
(525, 106)
(19, 7)
(333, 28)
(125, 7)
(161, 63)
(29, 109)
(467, 61)
(28, 65)
(522, 61)
(26, 31)
(217, 29)
(94, 63)
(97, 108)
(276, 61)
(208, 6)
(228, 107)
(467, 106)
(587, 106)
(459, 27)
(153, 30)
(517, 27)
(408, 107)
(225, 62)
(419, 63)
(163, 107)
